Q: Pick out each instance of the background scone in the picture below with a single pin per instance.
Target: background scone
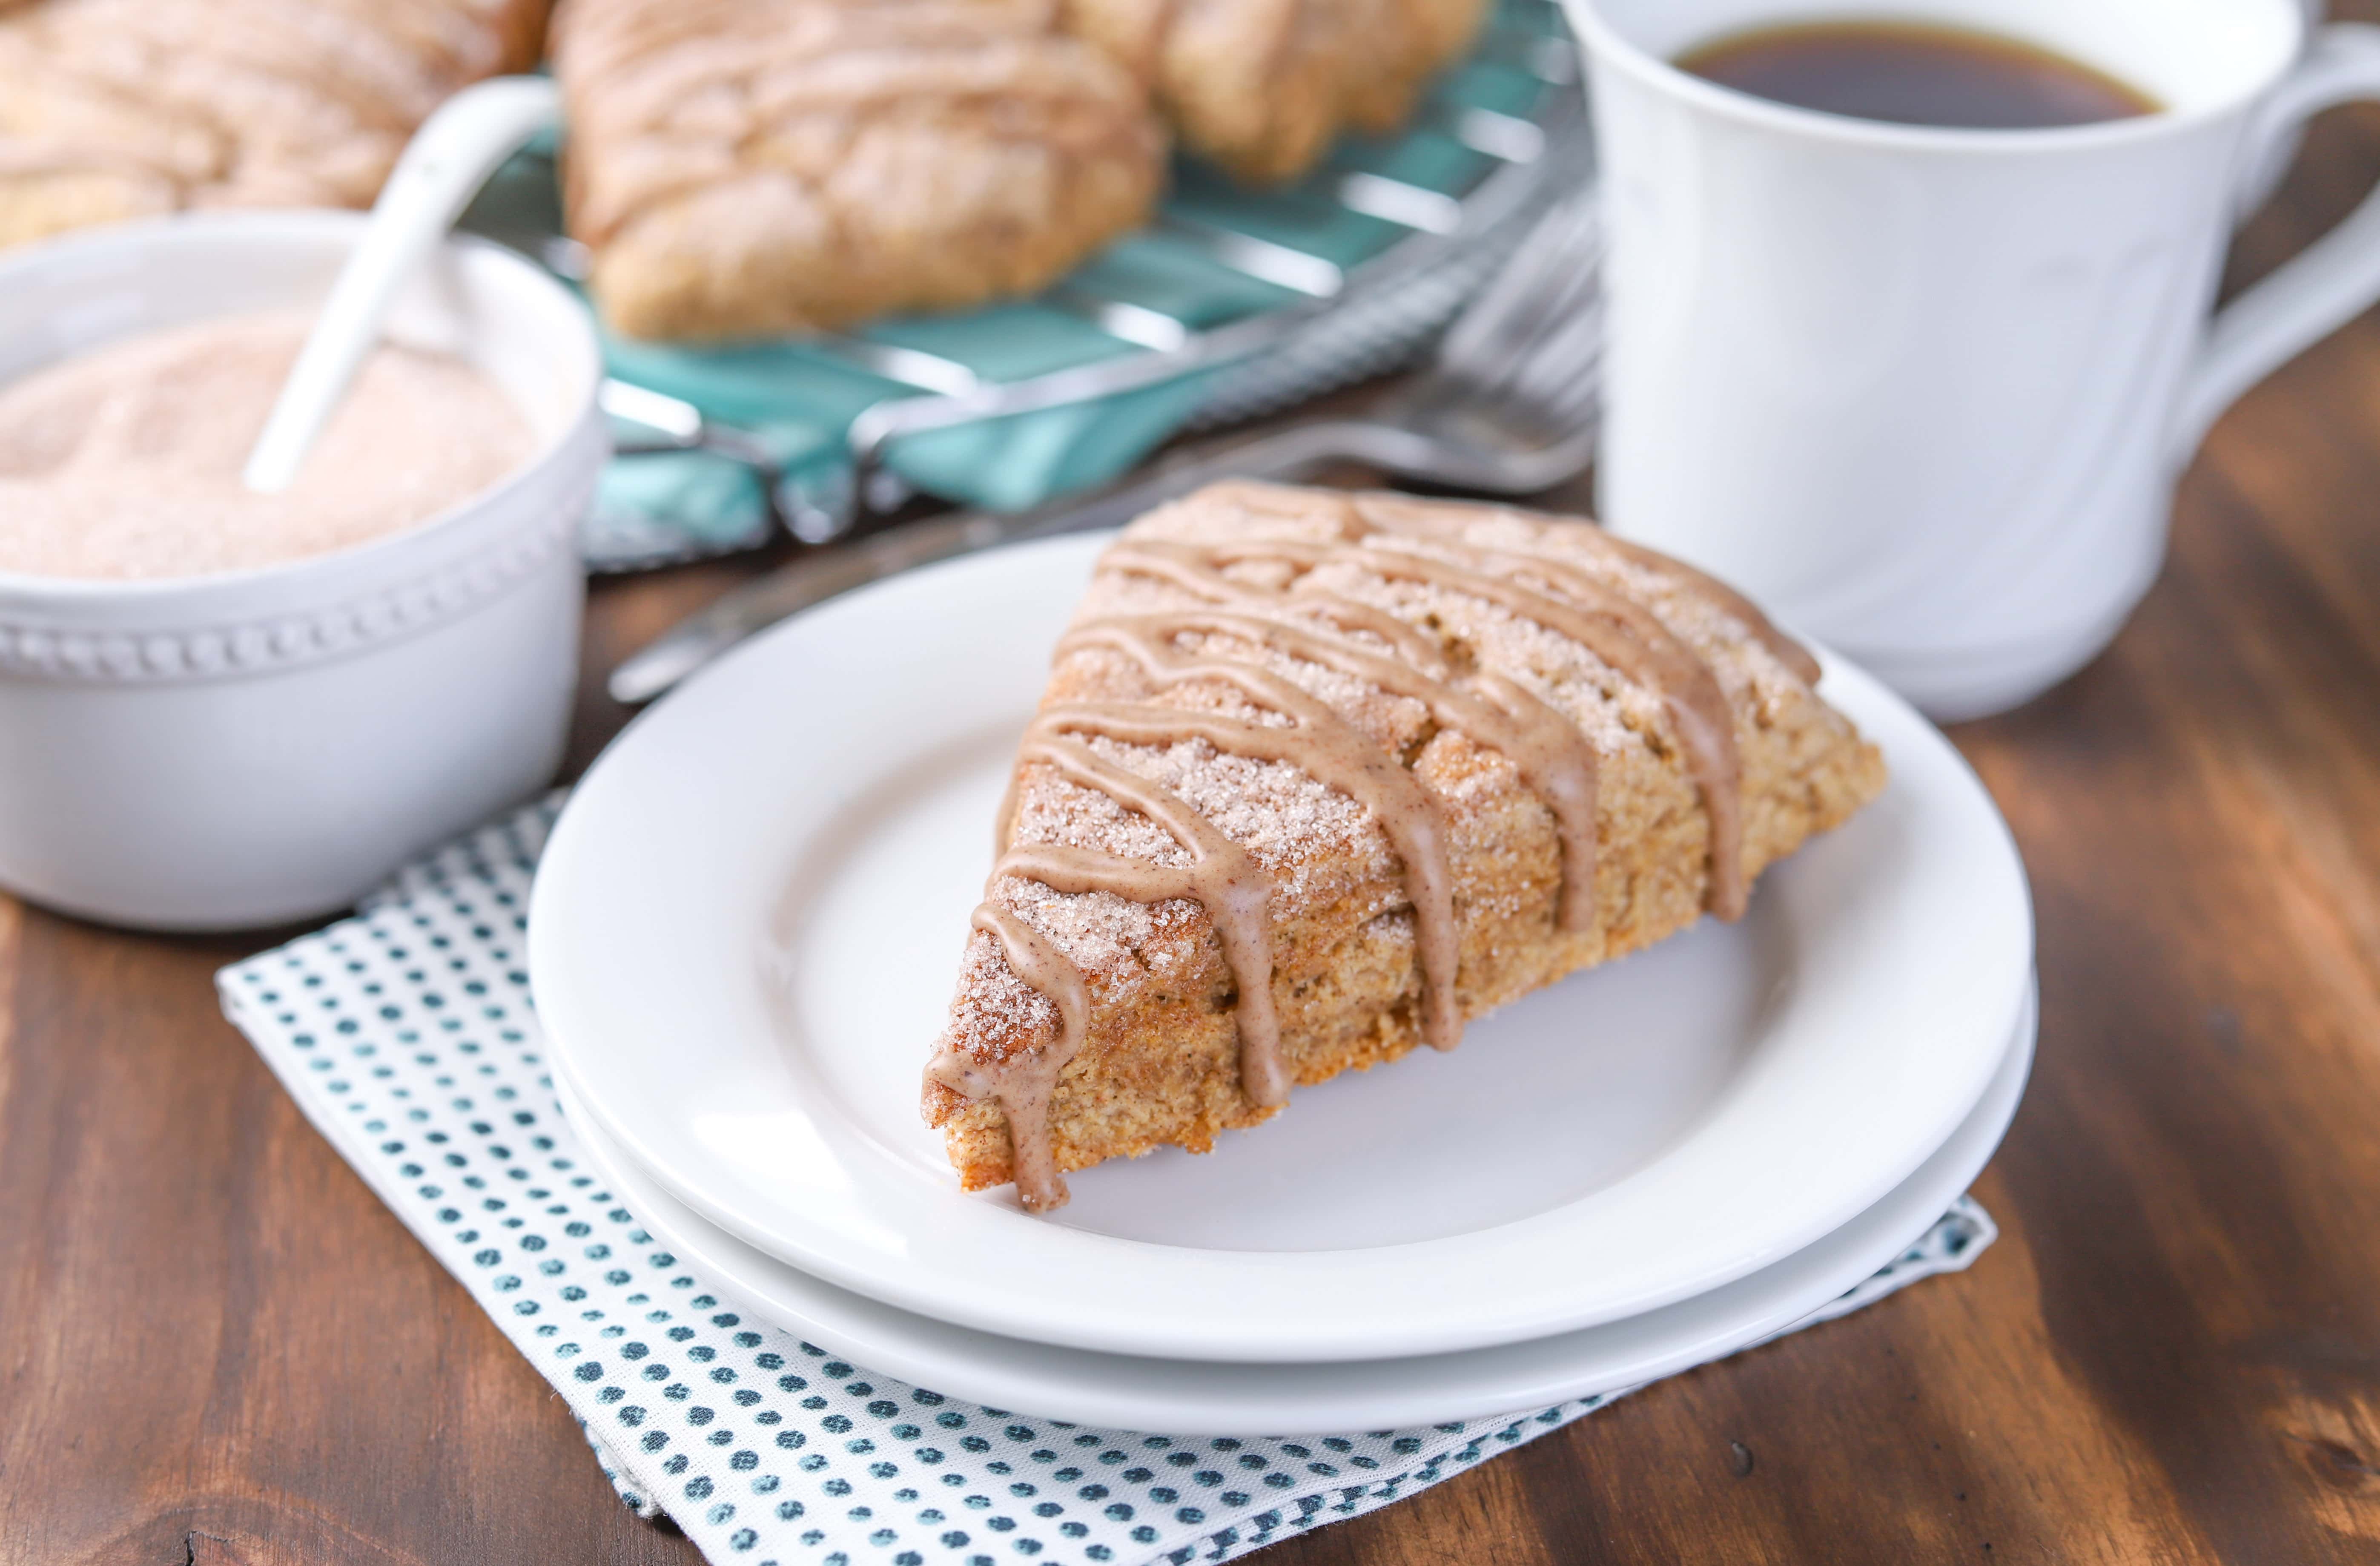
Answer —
(744, 167)
(115, 109)
(1320, 776)
(1262, 87)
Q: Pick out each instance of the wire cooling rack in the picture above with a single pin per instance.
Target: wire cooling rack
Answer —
(1228, 304)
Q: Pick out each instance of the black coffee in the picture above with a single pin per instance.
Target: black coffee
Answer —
(1915, 73)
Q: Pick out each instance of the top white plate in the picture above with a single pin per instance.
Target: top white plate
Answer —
(746, 924)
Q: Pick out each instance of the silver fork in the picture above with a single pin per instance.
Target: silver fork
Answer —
(1508, 406)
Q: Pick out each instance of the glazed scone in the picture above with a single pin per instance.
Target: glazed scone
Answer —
(1262, 87)
(744, 167)
(1318, 776)
(115, 109)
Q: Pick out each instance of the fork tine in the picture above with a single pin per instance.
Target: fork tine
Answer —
(1510, 398)
(1545, 365)
(1551, 267)
(1486, 358)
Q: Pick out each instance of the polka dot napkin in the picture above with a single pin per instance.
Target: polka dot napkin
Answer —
(406, 1035)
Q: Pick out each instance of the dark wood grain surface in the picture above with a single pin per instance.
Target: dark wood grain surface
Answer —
(216, 1347)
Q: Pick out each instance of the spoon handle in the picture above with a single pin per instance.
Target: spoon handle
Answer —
(447, 161)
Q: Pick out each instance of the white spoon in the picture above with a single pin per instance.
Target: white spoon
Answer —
(447, 161)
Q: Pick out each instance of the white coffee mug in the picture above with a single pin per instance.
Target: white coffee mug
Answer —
(1925, 392)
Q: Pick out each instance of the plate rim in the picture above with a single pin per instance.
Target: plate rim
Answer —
(830, 1255)
(1107, 1397)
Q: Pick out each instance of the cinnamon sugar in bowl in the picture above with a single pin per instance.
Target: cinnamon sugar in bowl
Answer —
(207, 728)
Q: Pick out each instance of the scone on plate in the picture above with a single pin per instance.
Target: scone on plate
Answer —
(750, 167)
(1320, 777)
(1262, 87)
(116, 109)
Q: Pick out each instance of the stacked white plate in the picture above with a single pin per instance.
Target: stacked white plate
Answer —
(744, 936)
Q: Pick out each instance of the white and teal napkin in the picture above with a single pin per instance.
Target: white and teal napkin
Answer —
(406, 1035)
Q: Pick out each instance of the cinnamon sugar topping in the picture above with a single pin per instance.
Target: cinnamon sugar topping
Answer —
(1023, 1085)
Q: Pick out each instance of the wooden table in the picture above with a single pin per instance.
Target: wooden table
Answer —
(216, 1346)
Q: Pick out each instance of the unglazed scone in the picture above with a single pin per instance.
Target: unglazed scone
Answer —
(1263, 86)
(1320, 776)
(114, 109)
(741, 168)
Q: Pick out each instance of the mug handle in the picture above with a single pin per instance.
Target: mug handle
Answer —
(2327, 284)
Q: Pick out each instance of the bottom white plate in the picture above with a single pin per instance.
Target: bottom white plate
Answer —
(1203, 1398)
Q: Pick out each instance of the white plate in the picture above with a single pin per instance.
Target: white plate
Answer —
(1200, 1397)
(747, 920)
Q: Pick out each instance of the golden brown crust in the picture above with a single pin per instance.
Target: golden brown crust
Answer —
(1263, 86)
(743, 167)
(1159, 1062)
(114, 109)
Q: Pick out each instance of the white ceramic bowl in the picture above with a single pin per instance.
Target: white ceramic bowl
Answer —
(258, 746)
